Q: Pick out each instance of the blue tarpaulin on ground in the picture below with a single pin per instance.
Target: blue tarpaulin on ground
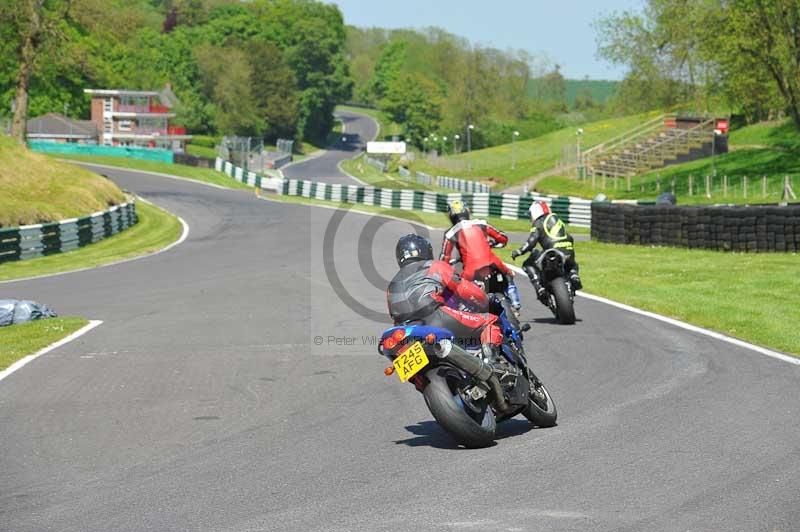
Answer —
(18, 311)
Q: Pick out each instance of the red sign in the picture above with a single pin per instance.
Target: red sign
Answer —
(722, 126)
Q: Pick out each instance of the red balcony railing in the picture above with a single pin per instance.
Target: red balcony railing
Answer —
(129, 108)
(158, 108)
(176, 130)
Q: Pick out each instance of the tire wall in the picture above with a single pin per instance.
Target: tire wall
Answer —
(743, 229)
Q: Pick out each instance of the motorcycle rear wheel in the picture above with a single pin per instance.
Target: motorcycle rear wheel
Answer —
(565, 311)
(471, 424)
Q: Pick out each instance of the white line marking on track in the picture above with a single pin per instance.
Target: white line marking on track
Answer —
(25, 360)
(159, 174)
(184, 236)
(677, 323)
(683, 325)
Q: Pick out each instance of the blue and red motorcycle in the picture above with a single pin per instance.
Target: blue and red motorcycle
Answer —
(467, 393)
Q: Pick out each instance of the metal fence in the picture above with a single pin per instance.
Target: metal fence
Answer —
(462, 185)
(250, 153)
(721, 188)
(30, 241)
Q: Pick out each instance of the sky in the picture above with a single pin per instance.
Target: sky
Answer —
(560, 29)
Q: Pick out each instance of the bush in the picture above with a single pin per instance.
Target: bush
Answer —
(207, 141)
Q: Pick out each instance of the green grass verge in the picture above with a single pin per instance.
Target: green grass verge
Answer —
(201, 151)
(34, 188)
(773, 134)
(531, 156)
(359, 169)
(720, 291)
(206, 175)
(156, 229)
(21, 340)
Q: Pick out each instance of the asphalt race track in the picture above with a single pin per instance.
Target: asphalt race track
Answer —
(358, 130)
(204, 403)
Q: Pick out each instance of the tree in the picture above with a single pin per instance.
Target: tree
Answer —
(274, 89)
(33, 26)
(746, 51)
(764, 39)
(416, 101)
(226, 76)
(387, 68)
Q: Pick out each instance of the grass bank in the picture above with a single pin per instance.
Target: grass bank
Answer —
(359, 169)
(18, 341)
(205, 175)
(531, 156)
(34, 188)
(718, 291)
(155, 230)
(762, 153)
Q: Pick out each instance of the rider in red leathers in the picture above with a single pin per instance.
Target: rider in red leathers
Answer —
(423, 289)
(469, 237)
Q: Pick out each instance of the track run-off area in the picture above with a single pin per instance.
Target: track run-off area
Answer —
(233, 387)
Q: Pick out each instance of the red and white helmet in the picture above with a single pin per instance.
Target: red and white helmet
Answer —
(538, 209)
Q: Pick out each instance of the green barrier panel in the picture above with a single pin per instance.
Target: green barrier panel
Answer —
(130, 152)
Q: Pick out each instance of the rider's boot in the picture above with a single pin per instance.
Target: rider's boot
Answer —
(536, 282)
(575, 280)
(513, 294)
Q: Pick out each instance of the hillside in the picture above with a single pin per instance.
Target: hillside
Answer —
(35, 188)
(600, 90)
(765, 153)
(532, 156)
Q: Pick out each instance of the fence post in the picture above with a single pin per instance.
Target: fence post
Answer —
(672, 187)
(725, 186)
(691, 185)
(708, 186)
(744, 187)
(787, 189)
(658, 184)
(763, 186)
(629, 183)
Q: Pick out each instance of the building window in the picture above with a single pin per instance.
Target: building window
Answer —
(125, 125)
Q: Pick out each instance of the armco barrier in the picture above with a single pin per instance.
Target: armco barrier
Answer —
(29, 241)
(509, 206)
(462, 185)
(130, 152)
(248, 178)
(574, 211)
(750, 229)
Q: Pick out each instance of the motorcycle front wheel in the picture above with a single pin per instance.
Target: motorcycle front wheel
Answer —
(541, 409)
(470, 423)
(565, 312)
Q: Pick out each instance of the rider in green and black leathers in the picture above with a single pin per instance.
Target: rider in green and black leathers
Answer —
(549, 231)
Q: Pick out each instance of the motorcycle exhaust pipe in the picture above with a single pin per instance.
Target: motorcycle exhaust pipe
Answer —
(462, 360)
(474, 366)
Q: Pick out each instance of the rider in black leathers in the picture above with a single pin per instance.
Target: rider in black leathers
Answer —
(548, 231)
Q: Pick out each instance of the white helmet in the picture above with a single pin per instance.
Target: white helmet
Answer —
(538, 209)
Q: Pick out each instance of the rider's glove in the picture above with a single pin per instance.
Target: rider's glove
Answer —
(514, 254)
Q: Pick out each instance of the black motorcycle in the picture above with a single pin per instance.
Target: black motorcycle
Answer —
(559, 291)
(467, 393)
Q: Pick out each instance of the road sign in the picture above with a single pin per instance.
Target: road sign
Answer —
(386, 147)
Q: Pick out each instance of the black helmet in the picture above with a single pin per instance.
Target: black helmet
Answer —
(457, 210)
(412, 247)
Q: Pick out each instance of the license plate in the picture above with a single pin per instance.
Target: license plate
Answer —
(409, 362)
